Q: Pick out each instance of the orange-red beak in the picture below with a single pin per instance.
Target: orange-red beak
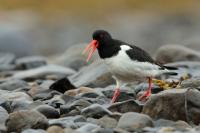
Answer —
(91, 49)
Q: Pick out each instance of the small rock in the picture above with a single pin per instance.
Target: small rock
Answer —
(48, 111)
(103, 130)
(194, 83)
(126, 106)
(11, 85)
(42, 72)
(59, 100)
(68, 122)
(170, 104)
(17, 105)
(62, 85)
(69, 130)
(87, 128)
(173, 53)
(21, 120)
(30, 62)
(55, 129)
(77, 105)
(78, 91)
(105, 122)
(95, 111)
(34, 131)
(94, 75)
(132, 121)
(15, 96)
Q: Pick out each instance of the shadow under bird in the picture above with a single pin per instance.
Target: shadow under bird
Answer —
(126, 62)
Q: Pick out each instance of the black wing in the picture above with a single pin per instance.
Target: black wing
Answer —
(140, 55)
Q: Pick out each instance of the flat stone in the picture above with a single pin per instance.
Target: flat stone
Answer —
(30, 62)
(94, 75)
(11, 85)
(42, 72)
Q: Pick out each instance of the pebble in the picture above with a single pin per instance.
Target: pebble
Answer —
(48, 111)
(132, 121)
(95, 111)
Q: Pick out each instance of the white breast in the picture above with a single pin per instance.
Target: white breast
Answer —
(122, 66)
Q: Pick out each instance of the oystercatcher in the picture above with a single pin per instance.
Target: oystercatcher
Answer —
(126, 62)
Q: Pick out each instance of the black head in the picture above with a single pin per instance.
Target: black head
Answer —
(101, 35)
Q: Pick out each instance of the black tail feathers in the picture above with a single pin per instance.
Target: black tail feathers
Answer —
(171, 68)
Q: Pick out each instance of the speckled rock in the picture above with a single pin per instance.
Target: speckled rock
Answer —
(22, 120)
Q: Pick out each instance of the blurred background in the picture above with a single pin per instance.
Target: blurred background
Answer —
(48, 27)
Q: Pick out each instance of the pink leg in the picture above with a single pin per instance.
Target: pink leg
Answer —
(147, 94)
(115, 95)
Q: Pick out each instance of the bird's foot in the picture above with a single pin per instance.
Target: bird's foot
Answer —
(145, 96)
(116, 94)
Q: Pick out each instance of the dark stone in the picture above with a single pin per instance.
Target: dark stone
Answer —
(74, 108)
(48, 111)
(62, 85)
(95, 111)
(126, 106)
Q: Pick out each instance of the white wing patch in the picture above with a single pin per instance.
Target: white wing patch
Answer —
(121, 64)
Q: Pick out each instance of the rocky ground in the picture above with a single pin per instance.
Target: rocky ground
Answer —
(64, 94)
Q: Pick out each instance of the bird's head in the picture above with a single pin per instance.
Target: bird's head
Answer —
(99, 38)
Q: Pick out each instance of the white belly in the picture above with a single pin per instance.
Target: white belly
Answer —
(128, 70)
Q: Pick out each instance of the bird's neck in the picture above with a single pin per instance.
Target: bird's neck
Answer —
(108, 48)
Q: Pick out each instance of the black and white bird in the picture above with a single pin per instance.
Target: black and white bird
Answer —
(126, 62)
